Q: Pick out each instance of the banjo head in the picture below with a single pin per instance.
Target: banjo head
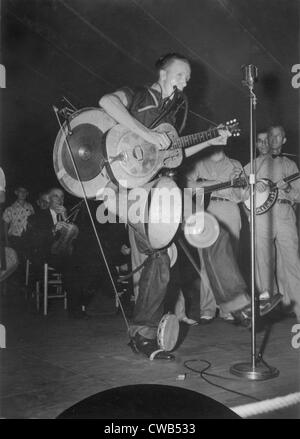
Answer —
(263, 200)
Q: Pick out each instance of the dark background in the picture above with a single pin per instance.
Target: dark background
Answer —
(82, 49)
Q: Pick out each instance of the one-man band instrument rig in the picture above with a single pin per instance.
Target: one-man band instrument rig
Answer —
(91, 151)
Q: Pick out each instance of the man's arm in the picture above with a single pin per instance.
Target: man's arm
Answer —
(115, 105)
(221, 140)
(292, 190)
(194, 177)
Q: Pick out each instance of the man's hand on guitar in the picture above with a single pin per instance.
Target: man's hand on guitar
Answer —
(222, 139)
(236, 173)
(283, 185)
(159, 139)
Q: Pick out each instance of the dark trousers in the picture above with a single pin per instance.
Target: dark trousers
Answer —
(228, 284)
(229, 287)
(149, 307)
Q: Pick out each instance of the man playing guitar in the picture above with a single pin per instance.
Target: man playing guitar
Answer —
(137, 110)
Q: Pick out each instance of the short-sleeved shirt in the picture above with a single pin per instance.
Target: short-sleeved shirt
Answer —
(2, 181)
(16, 216)
(221, 171)
(145, 104)
(276, 169)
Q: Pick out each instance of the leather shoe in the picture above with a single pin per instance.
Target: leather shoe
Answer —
(206, 320)
(267, 306)
(149, 347)
(243, 316)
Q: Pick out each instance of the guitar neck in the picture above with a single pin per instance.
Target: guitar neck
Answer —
(194, 139)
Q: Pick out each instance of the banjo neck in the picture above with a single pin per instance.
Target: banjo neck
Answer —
(237, 182)
(292, 177)
(288, 179)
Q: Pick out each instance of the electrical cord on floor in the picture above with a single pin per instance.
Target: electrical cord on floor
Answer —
(203, 372)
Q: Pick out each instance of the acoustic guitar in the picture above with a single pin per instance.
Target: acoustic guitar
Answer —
(132, 162)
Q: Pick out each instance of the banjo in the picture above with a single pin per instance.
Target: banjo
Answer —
(266, 199)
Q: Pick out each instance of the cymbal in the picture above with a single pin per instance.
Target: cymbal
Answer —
(88, 128)
(85, 143)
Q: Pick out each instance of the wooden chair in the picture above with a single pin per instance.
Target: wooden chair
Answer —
(52, 288)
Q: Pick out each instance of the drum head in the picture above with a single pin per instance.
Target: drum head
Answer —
(87, 143)
(260, 197)
(165, 207)
(167, 333)
(201, 230)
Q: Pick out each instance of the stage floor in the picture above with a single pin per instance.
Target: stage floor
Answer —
(51, 363)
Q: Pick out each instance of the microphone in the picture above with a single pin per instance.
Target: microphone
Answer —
(250, 75)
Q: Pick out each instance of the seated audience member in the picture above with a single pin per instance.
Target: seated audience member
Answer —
(45, 227)
(43, 200)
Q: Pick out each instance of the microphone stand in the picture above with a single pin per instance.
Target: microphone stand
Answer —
(256, 369)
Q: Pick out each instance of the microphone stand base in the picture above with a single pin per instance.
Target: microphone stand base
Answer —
(260, 372)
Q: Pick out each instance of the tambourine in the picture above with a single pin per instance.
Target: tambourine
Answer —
(167, 334)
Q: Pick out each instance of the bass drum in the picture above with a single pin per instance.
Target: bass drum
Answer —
(85, 133)
(153, 210)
